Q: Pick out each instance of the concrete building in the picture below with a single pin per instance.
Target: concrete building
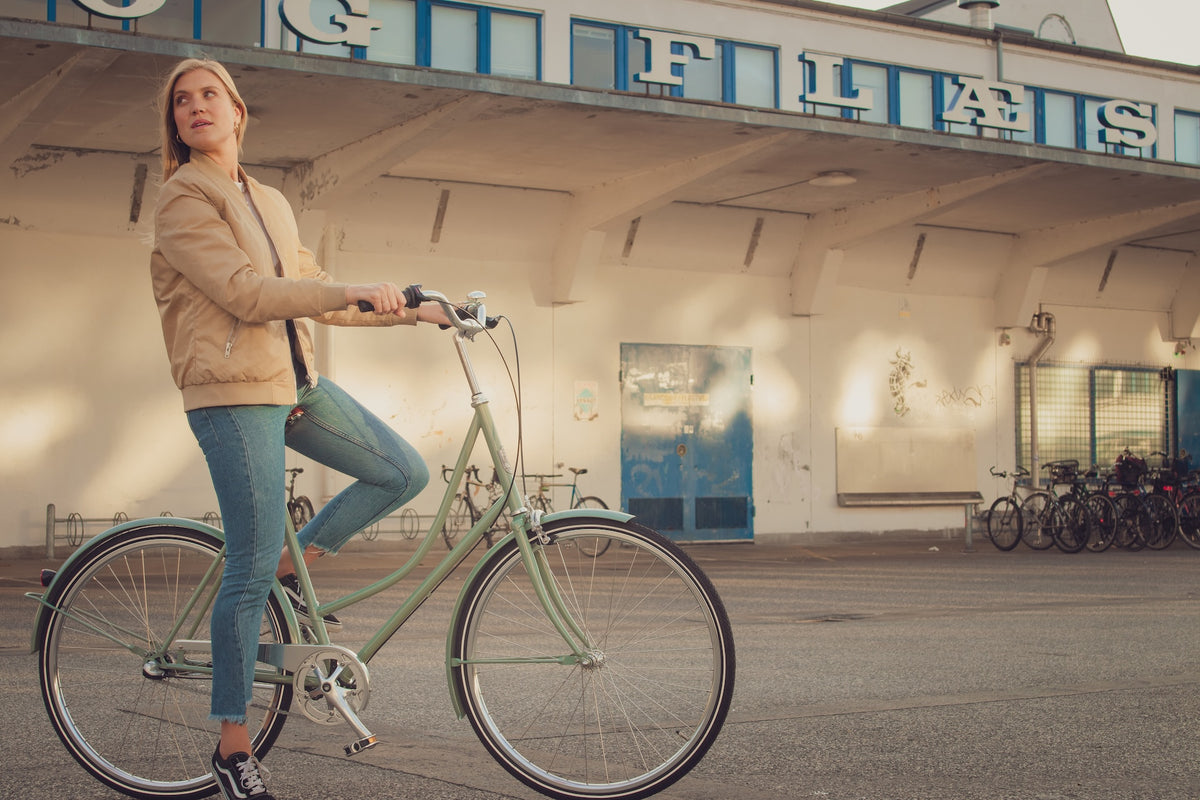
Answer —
(774, 266)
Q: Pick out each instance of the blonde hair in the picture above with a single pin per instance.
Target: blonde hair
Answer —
(174, 152)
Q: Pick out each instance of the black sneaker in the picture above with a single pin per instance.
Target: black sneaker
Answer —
(239, 777)
(291, 587)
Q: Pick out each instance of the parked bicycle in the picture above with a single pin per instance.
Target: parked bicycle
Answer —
(1041, 518)
(543, 501)
(1005, 520)
(299, 507)
(466, 511)
(548, 657)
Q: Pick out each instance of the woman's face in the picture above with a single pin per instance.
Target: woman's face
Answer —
(205, 114)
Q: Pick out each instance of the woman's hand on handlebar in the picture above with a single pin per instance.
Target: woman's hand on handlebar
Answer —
(384, 298)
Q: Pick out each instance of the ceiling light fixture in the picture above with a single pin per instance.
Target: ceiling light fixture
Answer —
(833, 178)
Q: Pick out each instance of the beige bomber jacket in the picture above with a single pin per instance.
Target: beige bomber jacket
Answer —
(223, 307)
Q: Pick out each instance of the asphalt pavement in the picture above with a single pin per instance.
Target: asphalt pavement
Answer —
(869, 668)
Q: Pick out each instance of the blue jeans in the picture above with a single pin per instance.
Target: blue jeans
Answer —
(244, 447)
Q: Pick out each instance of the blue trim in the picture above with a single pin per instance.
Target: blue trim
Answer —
(483, 41)
(51, 11)
(424, 33)
(198, 20)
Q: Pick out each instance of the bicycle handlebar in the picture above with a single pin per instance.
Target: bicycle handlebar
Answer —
(469, 318)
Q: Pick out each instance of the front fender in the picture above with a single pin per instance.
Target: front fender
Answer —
(48, 600)
(557, 516)
(579, 513)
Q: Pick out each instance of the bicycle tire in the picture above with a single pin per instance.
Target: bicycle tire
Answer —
(301, 509)
(1004, 523)
(1189, 519)
(130, 721)
(1133, 520)
(1040, 520)
(457, 522)
(599, 546)
(1103, 521)
(637, 714)
(1072, 534)
(1164, 521)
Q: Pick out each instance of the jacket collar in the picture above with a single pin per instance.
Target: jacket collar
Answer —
(212, 170)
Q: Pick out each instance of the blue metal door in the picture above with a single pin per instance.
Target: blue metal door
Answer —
(1187, 415)
(687, 440)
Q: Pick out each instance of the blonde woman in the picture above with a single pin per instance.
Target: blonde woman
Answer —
(234, 288)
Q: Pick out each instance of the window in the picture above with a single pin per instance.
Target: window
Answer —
(1092, 413)
(899, 96)
(1059, 119)
(593, 56)
(873, 79)
(1092, 127)
(754, 76)
(448, 35)
(916, 99)
(399, 19)
(607, 56)
(1187, 137)
(454, 38)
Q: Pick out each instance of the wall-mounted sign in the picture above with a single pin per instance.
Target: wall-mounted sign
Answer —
(978, 102)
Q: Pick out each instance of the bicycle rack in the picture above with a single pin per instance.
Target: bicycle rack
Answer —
(76, 525)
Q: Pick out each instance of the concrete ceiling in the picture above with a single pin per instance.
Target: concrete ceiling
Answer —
(334, 126)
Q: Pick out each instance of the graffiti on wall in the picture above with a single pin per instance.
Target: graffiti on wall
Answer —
(900, 381)
(970, 397)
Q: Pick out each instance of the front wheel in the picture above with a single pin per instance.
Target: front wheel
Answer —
(129, 706)
(459, 521)
(1004, 523)
(1189, 519)
(641, 700)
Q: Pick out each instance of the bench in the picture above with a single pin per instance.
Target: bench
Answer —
(908, 467)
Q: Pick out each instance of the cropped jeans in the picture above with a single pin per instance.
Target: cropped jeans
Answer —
(244, 447)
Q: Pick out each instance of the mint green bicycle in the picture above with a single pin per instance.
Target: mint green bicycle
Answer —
(584, 677)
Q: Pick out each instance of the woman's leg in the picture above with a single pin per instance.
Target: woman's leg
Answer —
(245, 452)
(335, 430)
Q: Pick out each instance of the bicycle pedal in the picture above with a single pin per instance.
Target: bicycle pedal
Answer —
(359, 745)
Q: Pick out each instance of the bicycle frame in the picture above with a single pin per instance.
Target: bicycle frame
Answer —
(526, 530)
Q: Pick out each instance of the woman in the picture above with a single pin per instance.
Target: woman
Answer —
(233, 285)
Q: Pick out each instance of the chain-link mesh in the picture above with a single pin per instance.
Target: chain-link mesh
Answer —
(1092, 413)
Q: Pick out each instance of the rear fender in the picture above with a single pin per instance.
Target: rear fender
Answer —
(48, 600)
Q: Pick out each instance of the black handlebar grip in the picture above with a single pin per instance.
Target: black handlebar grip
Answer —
(413, 297)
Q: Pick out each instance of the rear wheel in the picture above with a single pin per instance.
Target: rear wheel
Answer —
(1041, 521)
(642, 702)
(130, 706)
(1073, 533)
(1133, 521)
(598, 546)
(1164, 521)
(1103, 521)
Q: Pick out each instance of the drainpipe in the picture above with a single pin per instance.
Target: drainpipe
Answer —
(1043, 326)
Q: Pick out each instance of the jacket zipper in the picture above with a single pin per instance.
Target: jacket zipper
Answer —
(232, 337)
